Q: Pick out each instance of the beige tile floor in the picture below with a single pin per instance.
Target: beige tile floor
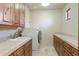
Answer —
(45, 51)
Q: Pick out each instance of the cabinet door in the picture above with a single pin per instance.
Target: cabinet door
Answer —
(12, 13)
(28, 48)
(7, 14)
(66, 53)
(19, 52)
(16, 21)
(57, 45)
(22, 18)
(1, 13)
(74, 52)
(63, 48)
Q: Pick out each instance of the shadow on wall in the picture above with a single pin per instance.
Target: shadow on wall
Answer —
(5, 34)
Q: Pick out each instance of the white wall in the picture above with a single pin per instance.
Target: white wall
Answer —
(27, 17)
(53, 21)
(48, 21)
(70, 27)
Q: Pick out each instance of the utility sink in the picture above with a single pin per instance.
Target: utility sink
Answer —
(19, 39)
(16, 39)
(13, 40)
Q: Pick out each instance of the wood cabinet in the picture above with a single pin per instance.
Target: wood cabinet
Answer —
(5, 14)
(1, 13)
(25, 50)
(19, 51)
(63, 48)
(75, 52)
(22, 18)
(16, 21)
(13, 13)
(19, 16)
(28, 52)
(58, 45)
(10, 15)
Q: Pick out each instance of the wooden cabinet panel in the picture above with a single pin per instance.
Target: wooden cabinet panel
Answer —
(25, 50)
(13, 13)
(16, 21)
(22, 18)
(5, 14)
(19, 52)
(28, 48)
(74, 52)
(63, 48)
(66, 53)
(58, 44)
(10, 15)
(67, 47)
(1, 13)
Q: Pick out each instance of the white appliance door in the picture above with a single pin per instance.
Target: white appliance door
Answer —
(33, 33)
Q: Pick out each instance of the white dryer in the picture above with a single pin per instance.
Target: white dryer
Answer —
(33, 33)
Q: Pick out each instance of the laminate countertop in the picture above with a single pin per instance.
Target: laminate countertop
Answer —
(73, 41)
(9, 46)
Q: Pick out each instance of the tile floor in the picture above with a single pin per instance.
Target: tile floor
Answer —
(45, 51)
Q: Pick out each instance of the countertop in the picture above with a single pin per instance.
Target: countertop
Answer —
(73, 41)
(9, 46)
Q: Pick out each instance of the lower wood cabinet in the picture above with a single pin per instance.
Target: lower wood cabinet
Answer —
(25, 50)
(63, 48)
(75, 52)
(28, 49)
(58, 45)
(19, 52)
(12, 54)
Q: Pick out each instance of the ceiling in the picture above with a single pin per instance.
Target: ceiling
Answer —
(38, 6)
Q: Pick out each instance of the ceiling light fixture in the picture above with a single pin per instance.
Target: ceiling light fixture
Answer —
(45, 4)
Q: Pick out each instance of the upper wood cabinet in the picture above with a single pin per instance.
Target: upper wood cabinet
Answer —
(5, 14)
(1, 13)
(19, 15)
(16, 21)
(22, 18)
(11, 15)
